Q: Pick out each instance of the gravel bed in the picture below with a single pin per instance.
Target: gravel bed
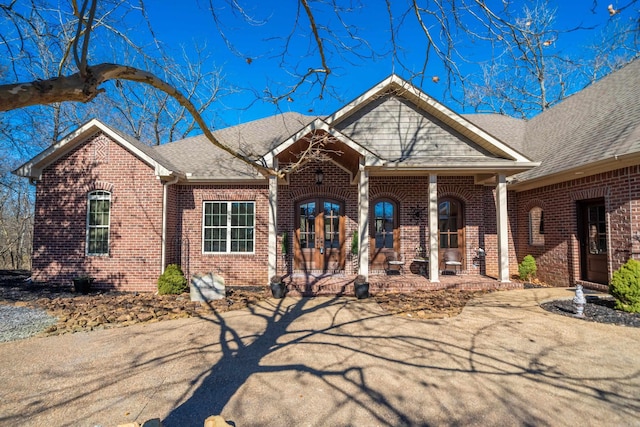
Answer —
(597, 309)
(22, 322)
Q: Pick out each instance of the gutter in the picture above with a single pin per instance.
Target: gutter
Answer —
(165, 191)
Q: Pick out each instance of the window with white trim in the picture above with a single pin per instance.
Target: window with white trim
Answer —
(228, 227)
(98, 222)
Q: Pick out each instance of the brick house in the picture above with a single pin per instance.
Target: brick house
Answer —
(402, 178)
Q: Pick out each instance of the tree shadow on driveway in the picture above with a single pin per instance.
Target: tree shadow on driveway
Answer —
(340, 361)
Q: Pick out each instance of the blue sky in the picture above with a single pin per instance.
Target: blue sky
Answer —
(178, 23)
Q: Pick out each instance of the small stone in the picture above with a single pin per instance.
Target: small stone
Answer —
(152, 423)
(143, 317)
(216, 421)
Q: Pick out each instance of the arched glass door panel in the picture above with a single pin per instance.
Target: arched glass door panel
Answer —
(319, 243)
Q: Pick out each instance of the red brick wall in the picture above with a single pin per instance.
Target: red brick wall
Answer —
(480, 223)
(236, 269)
(133, 262)
(559, 259)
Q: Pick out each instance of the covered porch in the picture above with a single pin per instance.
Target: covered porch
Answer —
(343, 284)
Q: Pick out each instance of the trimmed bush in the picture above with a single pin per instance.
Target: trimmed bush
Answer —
(625, 287)
(172, 281)
(527, 268)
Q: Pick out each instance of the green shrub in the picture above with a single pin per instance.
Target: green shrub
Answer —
(625, 287)
(284, 244)
(172, 281)
(354, 243)
(527, 268)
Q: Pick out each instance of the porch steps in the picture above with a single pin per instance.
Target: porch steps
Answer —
(300, 285)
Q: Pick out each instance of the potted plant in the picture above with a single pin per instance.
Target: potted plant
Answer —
(284, 243)
(354, 250)
(82, 284)
(278, 288)
(361, 287)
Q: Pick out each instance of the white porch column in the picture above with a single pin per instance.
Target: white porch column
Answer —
(433, 229)
(363, 222)
(503, 230)
(273, 226)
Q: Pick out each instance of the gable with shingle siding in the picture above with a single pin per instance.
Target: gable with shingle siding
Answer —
(396, 130)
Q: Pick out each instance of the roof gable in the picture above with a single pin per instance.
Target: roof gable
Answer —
(395, 87)
(397, 130)
(34, 167)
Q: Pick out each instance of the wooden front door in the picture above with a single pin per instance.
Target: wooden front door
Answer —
(319, 237)
(593, 242)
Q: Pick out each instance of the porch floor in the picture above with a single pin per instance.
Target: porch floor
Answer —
(299, 284)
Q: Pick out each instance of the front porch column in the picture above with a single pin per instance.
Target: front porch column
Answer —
(273, 226)
(503, 229)
(363, 222)
(433, 228)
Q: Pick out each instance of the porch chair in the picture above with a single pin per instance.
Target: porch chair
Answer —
(452, 258)
(394, 262)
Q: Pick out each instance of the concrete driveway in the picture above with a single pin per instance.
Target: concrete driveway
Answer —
(333, 362)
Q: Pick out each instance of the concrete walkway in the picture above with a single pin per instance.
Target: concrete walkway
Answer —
(333, 362)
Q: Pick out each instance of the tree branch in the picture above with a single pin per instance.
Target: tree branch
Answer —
(79, 89)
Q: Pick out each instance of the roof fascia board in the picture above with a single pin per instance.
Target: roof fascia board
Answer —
(199, 180)
(456, 169)
(583, 171)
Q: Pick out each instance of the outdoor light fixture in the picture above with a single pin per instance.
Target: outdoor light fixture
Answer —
(319, 176)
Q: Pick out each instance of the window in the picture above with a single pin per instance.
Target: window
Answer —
(99, 206)
(536, 226)
(384, 223)
(449, 223)
(228, 227)
(597, 224)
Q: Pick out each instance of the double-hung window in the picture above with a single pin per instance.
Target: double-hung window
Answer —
(98, 212)
(228, 227)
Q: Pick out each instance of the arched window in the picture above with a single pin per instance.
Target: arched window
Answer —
(98, 222)
(536, 226)
(385, 223)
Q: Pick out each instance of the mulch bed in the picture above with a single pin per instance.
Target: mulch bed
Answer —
(99, 310)
(597, 309)
(76, 312)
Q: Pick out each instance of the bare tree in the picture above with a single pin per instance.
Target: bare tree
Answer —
(521, 42)
(16, 222)
(87, 82)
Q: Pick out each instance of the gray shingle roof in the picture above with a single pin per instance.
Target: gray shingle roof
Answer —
(508, 129)
(199, 157)
(600, 122)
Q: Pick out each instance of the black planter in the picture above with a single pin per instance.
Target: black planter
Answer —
(82, 285)
(278, 290)
(362, 290)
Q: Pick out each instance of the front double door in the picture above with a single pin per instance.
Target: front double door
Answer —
(319, 237)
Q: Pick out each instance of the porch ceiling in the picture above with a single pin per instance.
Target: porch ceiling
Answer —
(321, 145)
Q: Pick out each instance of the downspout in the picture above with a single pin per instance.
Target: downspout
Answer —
(165, 191)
